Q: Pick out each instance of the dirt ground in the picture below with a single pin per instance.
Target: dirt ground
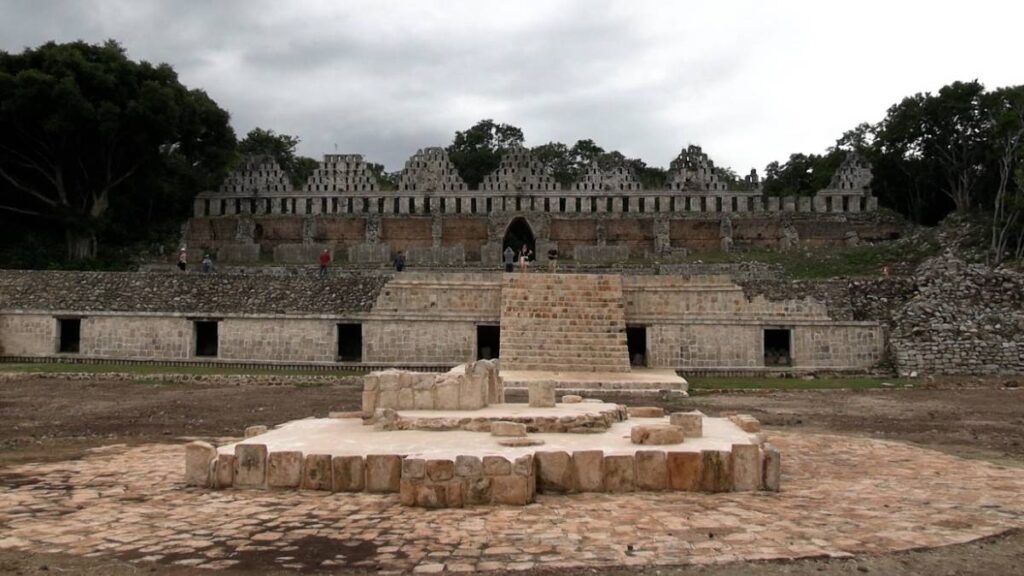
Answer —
(56, 419)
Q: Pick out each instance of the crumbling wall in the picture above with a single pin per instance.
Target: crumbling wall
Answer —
(470, 386)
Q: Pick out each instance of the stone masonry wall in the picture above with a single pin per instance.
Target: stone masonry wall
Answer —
(27, 335)
(704, 346)
(839, 347)
(412, 342)
(292, 340)
(136, 337)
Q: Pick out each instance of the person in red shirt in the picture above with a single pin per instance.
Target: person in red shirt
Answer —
(325, 260)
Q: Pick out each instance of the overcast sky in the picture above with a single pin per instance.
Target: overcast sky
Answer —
(750, 81)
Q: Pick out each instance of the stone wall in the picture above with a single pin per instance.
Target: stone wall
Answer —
(136, 337)
(418, 342)
(28, 335)
(293, 340)
(684, 346)
(469, 386)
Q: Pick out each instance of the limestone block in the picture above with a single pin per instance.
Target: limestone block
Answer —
(684, 470)
(223, 475)
(430, 495)
(746, 422)
(746, 467)
(524, 465)
(255, 431)
(440, 470)
(387, 396)
(423, 395)
(348, 474)
(646, 412)
(456, 493)
(447, 395)
(588, 467)
(344, 415)
(469, 467)
(383, 472)
(472, 392)
(250, 465)
(284, 469)
(316, 472)
(511, 490)
(508, 429)
(477, 491)
(555, 472)
(407, 491)
(692, 423)
(656, 434)
(571, 399)
(405, 398)
(619, 473)
(496, 466)
(651, 470)
(772, 474)
(414, 468)
(541, 394)
(715, 473)
(198, 456)
(370, 390)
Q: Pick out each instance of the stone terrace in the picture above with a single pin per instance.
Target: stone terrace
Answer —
(187, 293)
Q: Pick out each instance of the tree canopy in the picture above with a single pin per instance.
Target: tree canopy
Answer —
(477, 151)
(281, 147)
(91, 141)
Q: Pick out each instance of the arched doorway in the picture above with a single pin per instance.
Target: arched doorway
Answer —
(517, 234)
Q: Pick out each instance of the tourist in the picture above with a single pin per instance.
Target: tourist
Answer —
(553, 260)
(325, 260)
(399, 262)
(524, 257)
(182, 259)
(509, 257)
(207, 265)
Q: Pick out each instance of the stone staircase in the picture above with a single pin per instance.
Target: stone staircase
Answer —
(563, 323)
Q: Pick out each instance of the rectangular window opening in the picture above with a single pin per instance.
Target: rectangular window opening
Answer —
(350, 342)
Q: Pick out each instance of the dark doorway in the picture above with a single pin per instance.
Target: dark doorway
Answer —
(517, 234)
(70, 335)
(350, 342)
(206, 337)
(488, 342)
(777, 347)
(636, 342)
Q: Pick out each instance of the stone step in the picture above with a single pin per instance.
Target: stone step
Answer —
(551, 367)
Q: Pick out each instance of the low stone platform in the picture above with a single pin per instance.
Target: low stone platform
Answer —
(577, 418)
(459, 468)
(641, 381)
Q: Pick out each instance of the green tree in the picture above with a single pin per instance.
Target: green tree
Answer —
(82, 127)
(385, 180)
(802, 174)
(477, 151)
(281, 147)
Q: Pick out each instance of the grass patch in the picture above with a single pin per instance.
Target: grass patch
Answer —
(59, 367)
(698, 383)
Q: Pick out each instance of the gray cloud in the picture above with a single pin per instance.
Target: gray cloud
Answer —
(751, 82)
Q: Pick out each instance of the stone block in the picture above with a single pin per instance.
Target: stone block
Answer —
(651, 470)
(508, 429)
(456, 493)
(284, 469)
(524, 465)
(316, 472)
(645, 412)
(541, 394)
(383, 472)
(447, 394)
(423, 395)
(571, 399)
(555, 472)
(477, 491)
(223, 475)
(746, 467)
(255, 431)
(469, 467)
(198, 456)
(405, 398)
(692, 423)
(414, 468)
(250, 465)
(472, 391)
(496, 466)
(656, 434)
(407, 491)
(619, 473)
(715, 473)
(746, 422)
(511, 490)
(440, 470)
(348, 474)
(588, 467)
(772, 474)
(429, 495)
(684, 470)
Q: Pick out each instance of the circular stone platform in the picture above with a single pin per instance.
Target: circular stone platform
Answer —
(840, 496)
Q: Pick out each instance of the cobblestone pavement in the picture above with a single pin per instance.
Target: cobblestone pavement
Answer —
(841, 496)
